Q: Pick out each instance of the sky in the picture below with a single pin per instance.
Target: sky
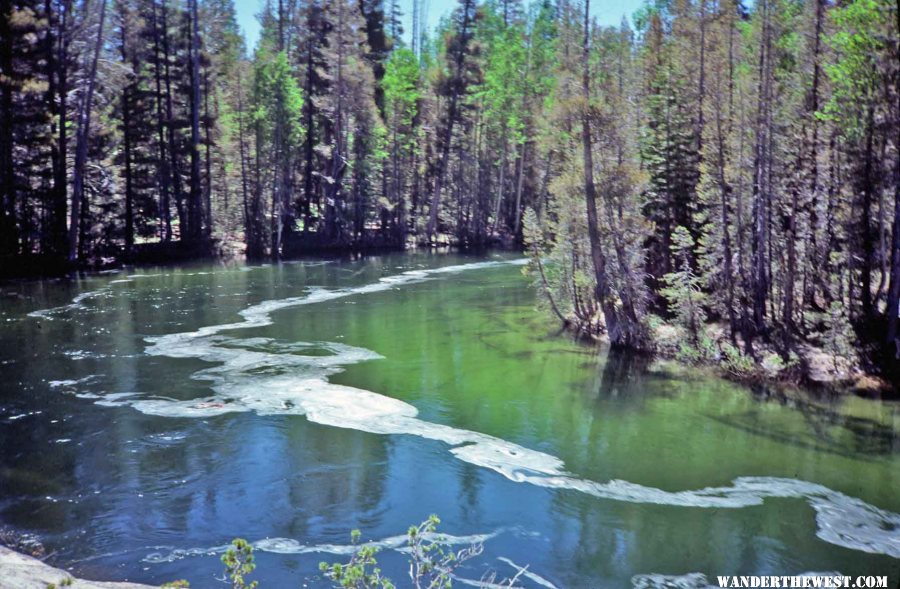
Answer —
(607, 12)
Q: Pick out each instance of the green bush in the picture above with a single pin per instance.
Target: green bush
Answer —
(737, 362)
(238, 561)
(361, 572)
(431, 561)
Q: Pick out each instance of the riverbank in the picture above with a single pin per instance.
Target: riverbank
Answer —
(148, 254)
(809, 366)
(296, 246)
(18, 571)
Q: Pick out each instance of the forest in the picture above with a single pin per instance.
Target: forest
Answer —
(706, 162)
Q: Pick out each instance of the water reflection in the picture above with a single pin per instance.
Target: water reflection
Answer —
(467, 352)
(827, 425)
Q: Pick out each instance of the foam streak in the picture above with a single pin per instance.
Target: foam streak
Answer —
(256, 374)
(289, 546)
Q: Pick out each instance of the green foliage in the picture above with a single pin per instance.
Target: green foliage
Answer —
(431, 561)
(238, 561)
(361, 572)
(278, 98)
(401, 87)
(179, 584)
(776, 364)
(838, 337)
(860, 41)
(703, 349)
(504, 85)
(736, 362)
(668, 150)
(720, 191)
(683, 288)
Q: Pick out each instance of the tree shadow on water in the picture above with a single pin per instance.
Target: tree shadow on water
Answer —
(626, 379)
(828, 429)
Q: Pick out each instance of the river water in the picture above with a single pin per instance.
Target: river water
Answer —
(147, 417)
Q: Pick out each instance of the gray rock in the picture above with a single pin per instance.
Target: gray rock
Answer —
(18, 571)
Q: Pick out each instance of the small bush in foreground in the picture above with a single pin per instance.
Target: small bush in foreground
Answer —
(238, 561)
(431, 561)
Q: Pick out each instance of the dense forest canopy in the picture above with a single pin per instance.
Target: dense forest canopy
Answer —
(714, 162)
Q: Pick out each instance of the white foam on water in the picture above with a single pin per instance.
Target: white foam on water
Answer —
(55, 384)
(694, 580)
(523, 571)
(256, 374)
(290, 546)
(84, 355)
(22, 415)
(146, 275)
(482, 583)
(76, 304)
(657, 581)
(88, 396)
(181, 553)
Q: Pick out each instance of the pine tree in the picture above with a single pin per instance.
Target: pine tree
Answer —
(457, 51)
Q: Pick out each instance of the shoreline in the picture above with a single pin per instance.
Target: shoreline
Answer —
(20, 571)
(174, 253)
(814, 371)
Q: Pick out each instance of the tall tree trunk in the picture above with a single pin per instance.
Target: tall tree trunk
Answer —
(790, 273)
(502, 181)
(308, 107)
(242, 152)
(893, 300)
(725, 191)
(207, 187)
(126, 140)
(256, 246)
(598, 258)
(279, 208)
(457, 83)
(816, 262)
(701, 83)
(170, 125)
(196, 195)
(9, 241)
(55, 238)
(62, 140)
(82, 137)
(334, 228)
(760, 284)
(517, 220)
(865, 216)
(164, 174)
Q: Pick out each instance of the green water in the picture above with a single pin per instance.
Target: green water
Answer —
(288, 431)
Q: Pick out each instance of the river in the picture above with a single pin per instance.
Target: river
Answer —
(149, 416)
